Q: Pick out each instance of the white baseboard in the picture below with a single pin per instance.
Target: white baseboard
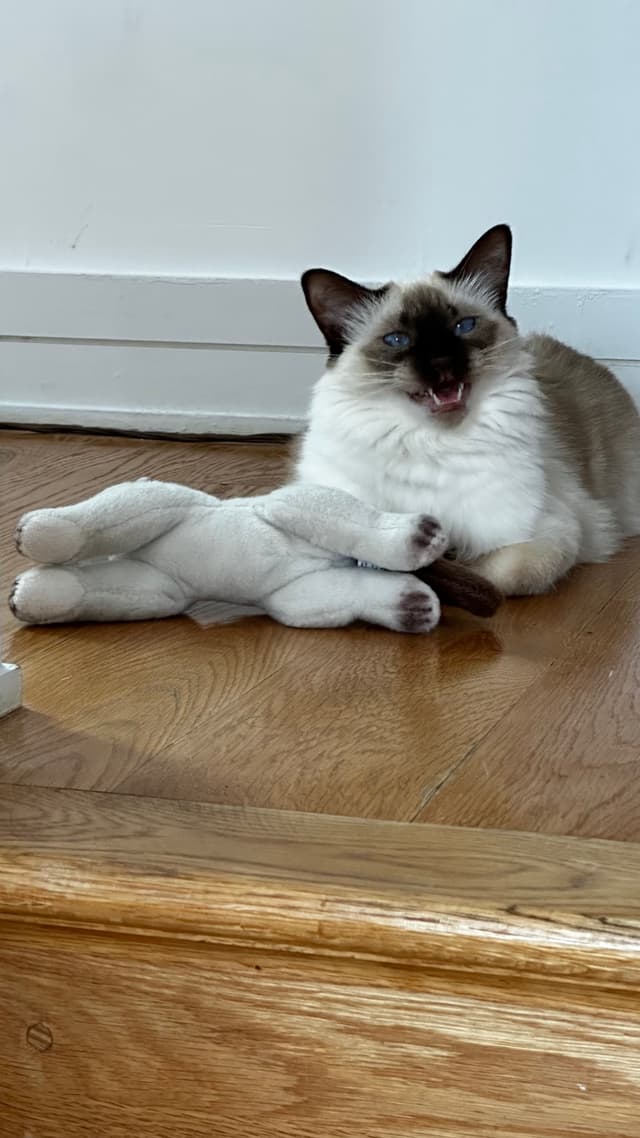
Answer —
(154, 387)
(229, 356)
(217, 424)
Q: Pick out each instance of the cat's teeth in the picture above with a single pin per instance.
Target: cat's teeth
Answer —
(435, 398)
(460, 390)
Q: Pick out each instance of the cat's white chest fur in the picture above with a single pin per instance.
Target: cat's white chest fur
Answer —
(484, 481)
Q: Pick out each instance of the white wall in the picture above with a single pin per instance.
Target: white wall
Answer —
(202, 138)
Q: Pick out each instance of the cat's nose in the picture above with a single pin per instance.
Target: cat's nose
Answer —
(441, 370)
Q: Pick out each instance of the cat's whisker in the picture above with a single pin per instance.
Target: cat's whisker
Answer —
(498, 349)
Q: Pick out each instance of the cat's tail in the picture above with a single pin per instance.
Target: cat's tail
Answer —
(460, 587)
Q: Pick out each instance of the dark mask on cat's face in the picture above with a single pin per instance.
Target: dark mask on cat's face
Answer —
(434, 340)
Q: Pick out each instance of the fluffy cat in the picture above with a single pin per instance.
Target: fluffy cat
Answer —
(525, 450)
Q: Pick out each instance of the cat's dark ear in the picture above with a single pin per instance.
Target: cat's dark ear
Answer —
(488, 262)
(333, 301)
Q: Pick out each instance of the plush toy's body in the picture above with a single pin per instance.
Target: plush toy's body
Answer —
(152, 549)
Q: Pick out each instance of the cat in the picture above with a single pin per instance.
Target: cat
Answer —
(527, 451)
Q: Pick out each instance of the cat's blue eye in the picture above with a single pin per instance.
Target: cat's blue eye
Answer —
(397, 340)
(464, 326)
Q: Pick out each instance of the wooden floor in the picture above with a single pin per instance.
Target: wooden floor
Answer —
(530, 721)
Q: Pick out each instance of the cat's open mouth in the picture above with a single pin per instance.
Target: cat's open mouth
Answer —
(449, 397)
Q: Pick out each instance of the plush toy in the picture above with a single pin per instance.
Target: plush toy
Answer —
(303, 554)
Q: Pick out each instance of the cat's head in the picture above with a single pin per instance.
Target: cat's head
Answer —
(441, 342)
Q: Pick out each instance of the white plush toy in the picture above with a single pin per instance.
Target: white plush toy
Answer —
(153, 549)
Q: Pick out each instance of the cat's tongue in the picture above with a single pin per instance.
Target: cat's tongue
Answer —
(450, 396)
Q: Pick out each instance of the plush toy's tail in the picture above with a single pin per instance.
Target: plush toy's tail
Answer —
(461, 587)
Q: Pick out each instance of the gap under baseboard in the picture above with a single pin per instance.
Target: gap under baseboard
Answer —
(132, 433)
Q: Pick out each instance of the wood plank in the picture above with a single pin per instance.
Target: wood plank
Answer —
(382, 723)
(112, 1038)
(578, 725)
(124, 696)
(342, 727)
(174, 968)
(223, 714)
(480, 900)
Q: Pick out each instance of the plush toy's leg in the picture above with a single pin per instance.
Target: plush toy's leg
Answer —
(108, 590)
(118, 520)
(331, 598)
(334, 520)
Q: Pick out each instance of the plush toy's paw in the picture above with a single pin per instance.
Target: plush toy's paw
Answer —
(46, 596)
(48, 537)
(428, 541)
(417, 611)
(407, 542)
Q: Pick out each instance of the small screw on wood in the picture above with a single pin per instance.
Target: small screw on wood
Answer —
(39, 1036)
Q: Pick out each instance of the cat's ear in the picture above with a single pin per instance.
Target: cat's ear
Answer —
(487, 262)
(333, 301)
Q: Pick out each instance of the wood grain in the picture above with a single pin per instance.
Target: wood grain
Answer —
(485, 901)
(163, 1040)
(179, 969)
(579, 725)
(360, 721)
